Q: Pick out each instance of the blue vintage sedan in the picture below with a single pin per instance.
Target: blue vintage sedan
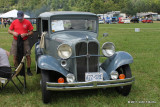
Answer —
(68, 53)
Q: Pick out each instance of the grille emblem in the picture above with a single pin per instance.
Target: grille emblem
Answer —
(87, 38)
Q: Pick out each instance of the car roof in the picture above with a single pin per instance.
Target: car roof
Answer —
(55, 13)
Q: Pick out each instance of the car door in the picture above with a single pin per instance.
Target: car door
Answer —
(36, 22)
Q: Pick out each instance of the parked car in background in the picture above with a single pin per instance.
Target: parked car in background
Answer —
(126, 20)
(114, 20)
(68, 55)
(101, 21)
(123, 20)
(158, 19)
(135, 20)
(147, 20)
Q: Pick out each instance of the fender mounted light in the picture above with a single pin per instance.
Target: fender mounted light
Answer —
(121, 76)
(60, 80)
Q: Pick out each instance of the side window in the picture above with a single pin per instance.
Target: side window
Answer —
(45, 25)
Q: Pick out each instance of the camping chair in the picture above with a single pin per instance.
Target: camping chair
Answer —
(13, 75)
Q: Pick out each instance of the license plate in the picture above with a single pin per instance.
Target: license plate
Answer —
(93, 76)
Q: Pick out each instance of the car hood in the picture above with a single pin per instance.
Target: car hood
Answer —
(74, 37)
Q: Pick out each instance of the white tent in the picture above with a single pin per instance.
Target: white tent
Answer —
(1, 14)
(12, 14)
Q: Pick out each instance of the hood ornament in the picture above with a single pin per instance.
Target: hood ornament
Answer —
(87, 38)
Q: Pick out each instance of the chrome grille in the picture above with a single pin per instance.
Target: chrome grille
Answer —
(81, 49)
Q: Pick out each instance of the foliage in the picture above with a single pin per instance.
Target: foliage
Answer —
(35, 7)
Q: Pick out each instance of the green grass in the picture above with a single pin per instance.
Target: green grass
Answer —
(144, 46)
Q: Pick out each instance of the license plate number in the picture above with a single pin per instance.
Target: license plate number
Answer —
(93, 76)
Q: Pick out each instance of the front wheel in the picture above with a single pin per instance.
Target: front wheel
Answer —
(46, 94)
(124, 90)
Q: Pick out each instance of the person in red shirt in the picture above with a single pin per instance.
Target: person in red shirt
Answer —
(24, 28)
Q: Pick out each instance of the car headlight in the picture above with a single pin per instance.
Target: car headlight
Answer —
(70, 78)
(108, 49)
(64, 51)
(114, 75)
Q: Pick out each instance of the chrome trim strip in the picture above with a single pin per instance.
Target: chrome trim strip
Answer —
(89, 85)
(87, 54)
(82, 56)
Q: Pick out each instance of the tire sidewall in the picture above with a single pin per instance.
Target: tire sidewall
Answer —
(125, 90)
(45, 93)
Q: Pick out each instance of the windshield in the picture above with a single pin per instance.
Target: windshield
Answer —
(60, 25)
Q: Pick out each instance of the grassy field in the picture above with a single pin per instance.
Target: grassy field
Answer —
(144, 46)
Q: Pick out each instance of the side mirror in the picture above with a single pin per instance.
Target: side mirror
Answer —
(105, 34)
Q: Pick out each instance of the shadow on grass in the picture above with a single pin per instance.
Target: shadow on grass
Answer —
(58, 96)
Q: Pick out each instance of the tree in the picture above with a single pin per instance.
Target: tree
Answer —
(97, 6)
(84, 5)
(66, 6)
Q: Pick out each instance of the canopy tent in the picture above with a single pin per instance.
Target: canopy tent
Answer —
(1, 14)
(12, 14)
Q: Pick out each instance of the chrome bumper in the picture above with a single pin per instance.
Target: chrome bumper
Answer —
(89, 85)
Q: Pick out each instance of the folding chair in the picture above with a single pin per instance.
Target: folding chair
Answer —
(13, 75)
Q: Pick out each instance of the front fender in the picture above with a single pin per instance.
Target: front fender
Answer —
(47, 62)
(120, 58)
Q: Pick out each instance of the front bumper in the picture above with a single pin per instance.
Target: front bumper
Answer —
(89, 85)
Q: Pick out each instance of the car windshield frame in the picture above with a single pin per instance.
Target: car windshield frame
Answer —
(74, 18)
